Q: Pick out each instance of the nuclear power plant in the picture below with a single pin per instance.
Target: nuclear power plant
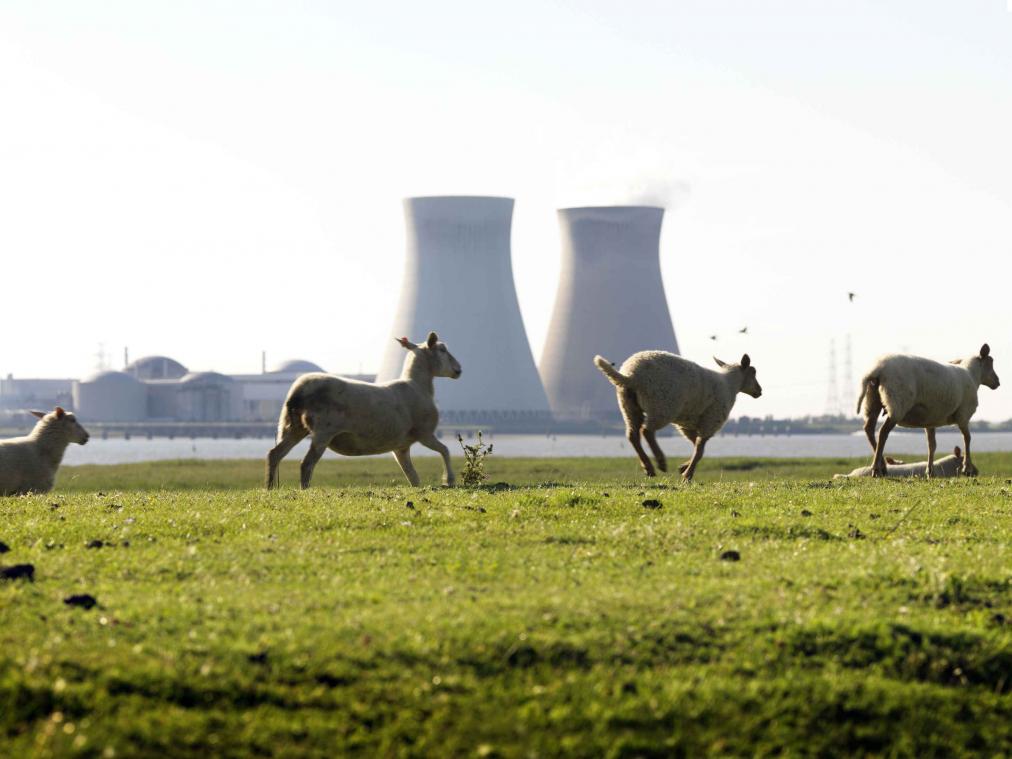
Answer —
(610, 301)
(458, 282)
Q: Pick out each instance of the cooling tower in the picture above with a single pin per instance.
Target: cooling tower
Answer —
(458, 282)
(610, 301)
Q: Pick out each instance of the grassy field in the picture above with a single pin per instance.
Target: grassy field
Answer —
(569, 608)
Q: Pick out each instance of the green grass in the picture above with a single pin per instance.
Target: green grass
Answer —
(204, 474)
(555, 615)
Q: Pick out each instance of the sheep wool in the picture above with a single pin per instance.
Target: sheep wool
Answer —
(656, 388)
(918, 392)
(28, 464)
(361, 418)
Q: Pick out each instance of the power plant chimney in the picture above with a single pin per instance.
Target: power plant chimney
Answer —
(610, 301)
(458, 282)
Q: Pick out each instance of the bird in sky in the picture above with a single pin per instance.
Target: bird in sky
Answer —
(743, 331)
(713, 337)
(851, 296)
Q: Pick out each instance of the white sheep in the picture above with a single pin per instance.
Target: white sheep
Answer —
(656, 388)
(360, 418)
(918, 392)
(948, 466)
(28, 464)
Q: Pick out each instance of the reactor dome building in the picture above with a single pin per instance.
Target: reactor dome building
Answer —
(610, 301)
(156, 368)
(111, 396)
(458, 282)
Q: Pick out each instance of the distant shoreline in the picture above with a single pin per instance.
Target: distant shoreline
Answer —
(266, 431)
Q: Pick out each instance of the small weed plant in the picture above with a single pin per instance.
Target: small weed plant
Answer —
(473, 473)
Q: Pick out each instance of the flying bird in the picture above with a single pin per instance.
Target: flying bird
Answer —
(851, 297)
(713, 337)
(743, 331)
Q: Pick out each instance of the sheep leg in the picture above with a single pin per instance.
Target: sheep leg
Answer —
(697, 454)
(316, 450)
(651, 438)
(633, 423)
(872, 408)
(691, 436)
(968, 468)
(878, 463)
(633, 435)
(403, 457)
(869, 429)
(435, 444)
(931, 452)
(278, 452)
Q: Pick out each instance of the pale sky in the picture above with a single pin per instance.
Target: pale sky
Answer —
(207, 180)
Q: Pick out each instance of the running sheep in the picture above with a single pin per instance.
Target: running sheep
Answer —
(656, 388)
(28, 464)
(944, 467)
(918, 392)
(361, 418)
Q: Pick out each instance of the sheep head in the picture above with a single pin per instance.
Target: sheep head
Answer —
(440, 359)
(64, 422)
(441, 363)
(749, 384)
(988, 377)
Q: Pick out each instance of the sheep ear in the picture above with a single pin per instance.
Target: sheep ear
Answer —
(405, 343)
(720, 363)
(37, 414)
(432, 340)
(60, 413)
(985, 350)
(957, 452)
(746, 362)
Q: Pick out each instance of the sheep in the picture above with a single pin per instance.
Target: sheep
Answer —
(945, 467)
(28, 464)
(360, 418)
(656, 388)
(918, 392)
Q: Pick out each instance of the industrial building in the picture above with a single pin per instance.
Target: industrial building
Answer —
(610, 301)
(161, 389)
(458, 282)
(19, 394)
(263, 394)
(111, 396)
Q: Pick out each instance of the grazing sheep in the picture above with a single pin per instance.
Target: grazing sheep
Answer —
(28, 464)
(655, 389)
(361, 418)
(918, 392)
(945, 467)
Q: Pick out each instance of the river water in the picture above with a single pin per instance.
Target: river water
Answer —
(119, 451)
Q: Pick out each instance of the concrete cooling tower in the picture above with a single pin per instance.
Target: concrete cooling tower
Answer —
(610, 300)
(458, 282)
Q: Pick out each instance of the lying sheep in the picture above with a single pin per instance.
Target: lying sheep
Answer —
(656, 389)
(361, 418)
(28, 464)
(919, 392)
(944, 467)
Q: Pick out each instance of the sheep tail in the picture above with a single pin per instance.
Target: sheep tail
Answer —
(867, 382)
(614, 375)
(289, 416)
